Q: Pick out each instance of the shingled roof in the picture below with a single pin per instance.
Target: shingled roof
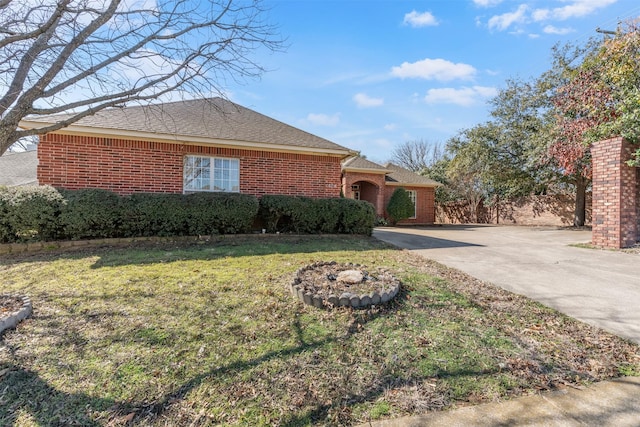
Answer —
(360, 164)
(400, 176)
(213, 120)
(18, 169)
(394, 174)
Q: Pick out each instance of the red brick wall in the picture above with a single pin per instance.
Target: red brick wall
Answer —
(552, 209)
(126, 166)
(425, 209)
(376, 180)
(615, 194)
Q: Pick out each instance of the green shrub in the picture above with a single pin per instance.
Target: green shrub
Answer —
(91, 213)
(31, 213)
(6, 231)
(356, 217)
(328, 211)
(289, 213)
(305, 215)
(154, 214)
(274, 210)
(220, 213)
(400, 206)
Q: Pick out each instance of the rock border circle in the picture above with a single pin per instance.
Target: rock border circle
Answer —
(345, 299)
(12, 319)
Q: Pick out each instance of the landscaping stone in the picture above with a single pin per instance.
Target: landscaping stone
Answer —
(320, 283)
(11, 320)
(350, 276)
(355, 301)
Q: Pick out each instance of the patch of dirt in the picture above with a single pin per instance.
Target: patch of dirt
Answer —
(9, 304)
(325, 279)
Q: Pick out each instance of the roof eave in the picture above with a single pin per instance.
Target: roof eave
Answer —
(77, 130)
(366, 170)
(408, 184)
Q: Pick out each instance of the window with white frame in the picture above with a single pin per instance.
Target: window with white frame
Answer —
(413, 195)
(211, 174)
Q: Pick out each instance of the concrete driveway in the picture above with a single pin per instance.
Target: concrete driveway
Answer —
(599, 287)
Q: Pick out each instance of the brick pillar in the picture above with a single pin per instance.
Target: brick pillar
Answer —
(615, 195)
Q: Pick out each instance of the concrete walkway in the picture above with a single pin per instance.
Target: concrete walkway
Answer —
(605, 404)
(598, 287)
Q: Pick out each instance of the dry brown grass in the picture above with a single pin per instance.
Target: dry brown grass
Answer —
(207, 334)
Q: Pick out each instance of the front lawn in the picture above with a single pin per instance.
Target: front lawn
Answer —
(208, 334)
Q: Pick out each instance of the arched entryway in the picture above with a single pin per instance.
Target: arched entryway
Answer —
(367, 191)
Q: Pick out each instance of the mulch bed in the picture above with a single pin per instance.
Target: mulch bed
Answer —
(323, 280)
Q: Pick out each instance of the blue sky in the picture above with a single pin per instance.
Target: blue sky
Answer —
(373, 74)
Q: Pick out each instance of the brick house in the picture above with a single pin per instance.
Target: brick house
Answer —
(211, 145)
(366, 180)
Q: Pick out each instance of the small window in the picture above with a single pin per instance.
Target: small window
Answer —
(413, 195)
(211, 174)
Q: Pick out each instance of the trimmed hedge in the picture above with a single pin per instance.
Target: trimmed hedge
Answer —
(30, 213)
(220, 213)
(305, 215)
(90, 213)
(154, 214)
(44, 213)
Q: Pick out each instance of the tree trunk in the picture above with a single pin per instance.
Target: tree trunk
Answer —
(581, 202)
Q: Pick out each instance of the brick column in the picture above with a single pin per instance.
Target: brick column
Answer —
(615, 195)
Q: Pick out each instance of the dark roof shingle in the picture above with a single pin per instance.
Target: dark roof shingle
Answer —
(360, 163)
(213, 118)
(402, 176)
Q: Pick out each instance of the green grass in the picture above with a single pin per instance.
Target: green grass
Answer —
(208, 334)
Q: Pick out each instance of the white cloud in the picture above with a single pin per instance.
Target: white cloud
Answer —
(464, 97)
(365, 101)
(434, 69)
(575, 9)
(390, 126)
(550, 29)
(504, 21)
(541, 15)
(323, 119)
(416, 19)
(487, 3)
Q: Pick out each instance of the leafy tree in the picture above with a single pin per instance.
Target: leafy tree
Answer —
(599, 99)
(400, 206)
(502, 157)
(81, 56)
(576, 107)
(619, 71)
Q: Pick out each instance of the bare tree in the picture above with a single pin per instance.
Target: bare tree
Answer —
(417, 155)
(81, 56)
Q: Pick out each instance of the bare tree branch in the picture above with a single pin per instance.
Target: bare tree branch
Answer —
(80, 56)
(416, 155)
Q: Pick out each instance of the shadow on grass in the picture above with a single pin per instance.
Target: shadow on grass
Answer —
(24, 394)
(156, 409)
(146, 252)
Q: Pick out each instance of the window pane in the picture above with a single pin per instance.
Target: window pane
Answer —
(199, 176)
(195, 173)
(413, 196)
